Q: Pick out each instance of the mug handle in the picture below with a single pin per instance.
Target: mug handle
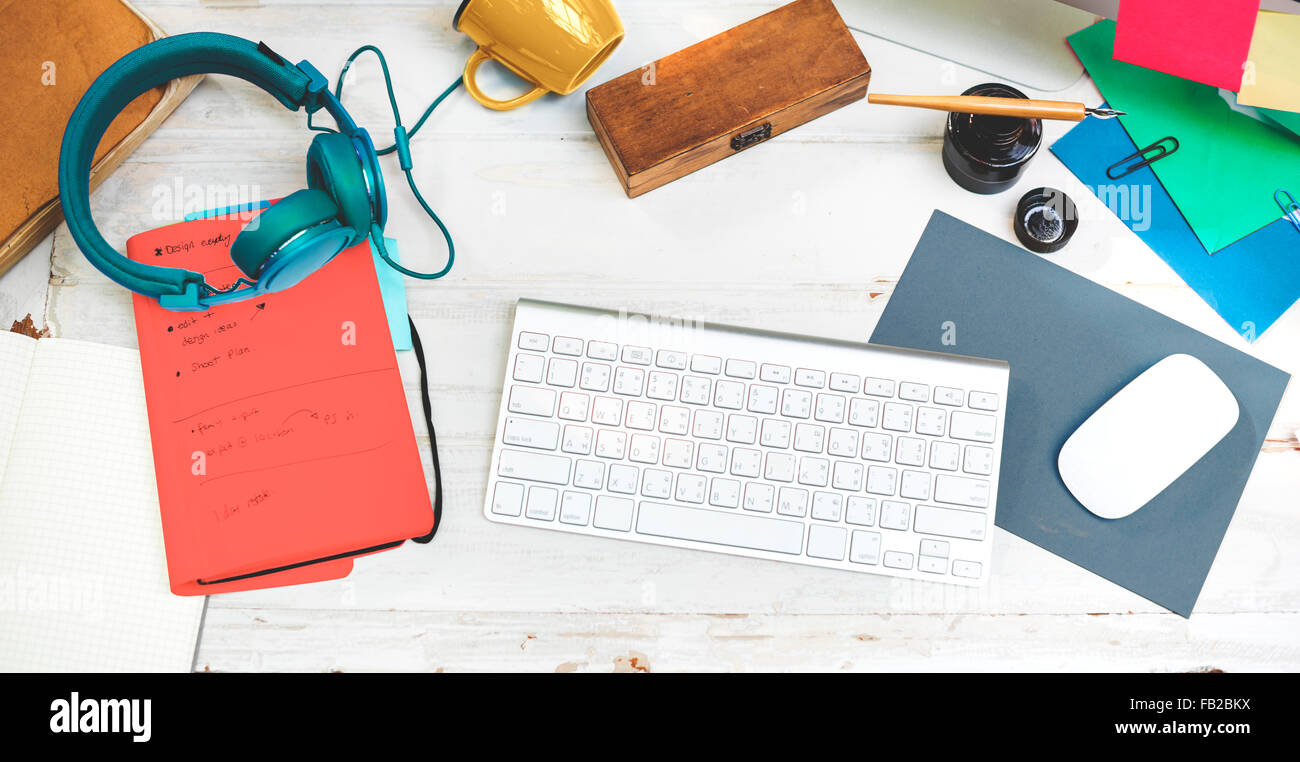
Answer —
(471, 67)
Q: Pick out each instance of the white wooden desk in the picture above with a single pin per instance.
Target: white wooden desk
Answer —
(807, 233)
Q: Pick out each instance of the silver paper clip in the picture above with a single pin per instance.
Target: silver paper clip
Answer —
(1290, 209)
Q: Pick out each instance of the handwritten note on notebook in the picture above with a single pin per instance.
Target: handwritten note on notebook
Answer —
(83, 581)
(282, 439)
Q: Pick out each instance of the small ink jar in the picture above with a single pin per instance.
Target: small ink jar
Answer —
(984, 154)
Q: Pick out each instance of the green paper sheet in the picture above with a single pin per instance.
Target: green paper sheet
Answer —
(1227, 166)
(1284, 120)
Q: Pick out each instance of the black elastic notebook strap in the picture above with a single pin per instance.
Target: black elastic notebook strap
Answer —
(433, 436)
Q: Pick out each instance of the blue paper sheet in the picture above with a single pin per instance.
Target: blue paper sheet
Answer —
(1071, 345)
(1250, 283)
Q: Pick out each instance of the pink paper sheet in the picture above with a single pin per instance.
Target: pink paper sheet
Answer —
(1201, 40)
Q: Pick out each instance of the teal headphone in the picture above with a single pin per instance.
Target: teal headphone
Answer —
(343, 205)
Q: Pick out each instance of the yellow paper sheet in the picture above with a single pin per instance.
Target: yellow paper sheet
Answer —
(1271, 78)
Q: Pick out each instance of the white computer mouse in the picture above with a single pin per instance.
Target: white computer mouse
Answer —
(1146, 436)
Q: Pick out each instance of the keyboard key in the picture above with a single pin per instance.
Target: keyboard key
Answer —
(602, 350)
(882, 480)
(741, 368)
(944, 455)
(961, 490)
(562, 372)
(915, 392)
(830, 408)
(826, 506)
(529, 368)
(574, 406)
(708, 424)
(809, 437)
(690, 488)
(508, 499)
(644, 448)
(728, 394)
(629, 381)
(762, 399)
(575, 508)
(860, 510)
(759, 497)
(611, 443)
(937, 548)
(595, 377)
(607, 411)
(614, 513)
(775, 433)
(949, 522)
(894, 515)
(975, 427)
(679, 453)
(910, 451)
(523, 432)
(916, 485)
(674, 419)
(537, 342)
(637, 355)
(746, 462)
(706, 364)
(623, 479)
(864, 412)
(898, 416)
(930, 421)
(796, 403)
(657, 484)
(865, 548)
(780, 467)
(742, 429)
(932, 564)
(847, 476)
(672, 360)
(877, 447)
(589, 474)
(845, 382)
(541, 503)
(792, 502)
(969, 569)
(826, 542)
(946, 395)
(534, 466)
(983, 400)
(567, 345)
(878, 387)
(661, 386)
(898, 560)
(695, 390)
(719, 528)
(725, 493)
(711, 458)
(640, 415)
(814, 379)
(814, 471)
(979, 460)
(843, 442)
(775, 374)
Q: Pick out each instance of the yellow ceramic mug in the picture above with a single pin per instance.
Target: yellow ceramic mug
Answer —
(552, 44)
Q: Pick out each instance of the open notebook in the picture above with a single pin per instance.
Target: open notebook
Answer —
(83, 578)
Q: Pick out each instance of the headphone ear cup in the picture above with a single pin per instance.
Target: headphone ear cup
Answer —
(334, 167)
(258, 242)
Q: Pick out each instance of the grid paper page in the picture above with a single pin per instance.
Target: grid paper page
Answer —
(81, 547)
(15, 363)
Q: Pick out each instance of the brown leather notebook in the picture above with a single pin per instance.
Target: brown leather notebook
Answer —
(50, 52)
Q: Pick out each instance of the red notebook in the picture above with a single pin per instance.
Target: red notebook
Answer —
(282, 440)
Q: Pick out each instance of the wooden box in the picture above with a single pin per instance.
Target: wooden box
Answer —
(727, 93)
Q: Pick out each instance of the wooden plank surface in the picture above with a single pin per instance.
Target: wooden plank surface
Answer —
(807, 232)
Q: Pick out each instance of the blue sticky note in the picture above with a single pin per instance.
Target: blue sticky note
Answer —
(392, 287)
(1250, 282)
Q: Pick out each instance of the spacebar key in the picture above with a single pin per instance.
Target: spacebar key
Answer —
(703, 525)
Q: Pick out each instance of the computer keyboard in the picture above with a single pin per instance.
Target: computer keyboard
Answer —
(754, 443)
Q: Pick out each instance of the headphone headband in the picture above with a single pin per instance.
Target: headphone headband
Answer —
(139, 71)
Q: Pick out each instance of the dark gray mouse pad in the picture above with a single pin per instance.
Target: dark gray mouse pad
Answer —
(1072, 344)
